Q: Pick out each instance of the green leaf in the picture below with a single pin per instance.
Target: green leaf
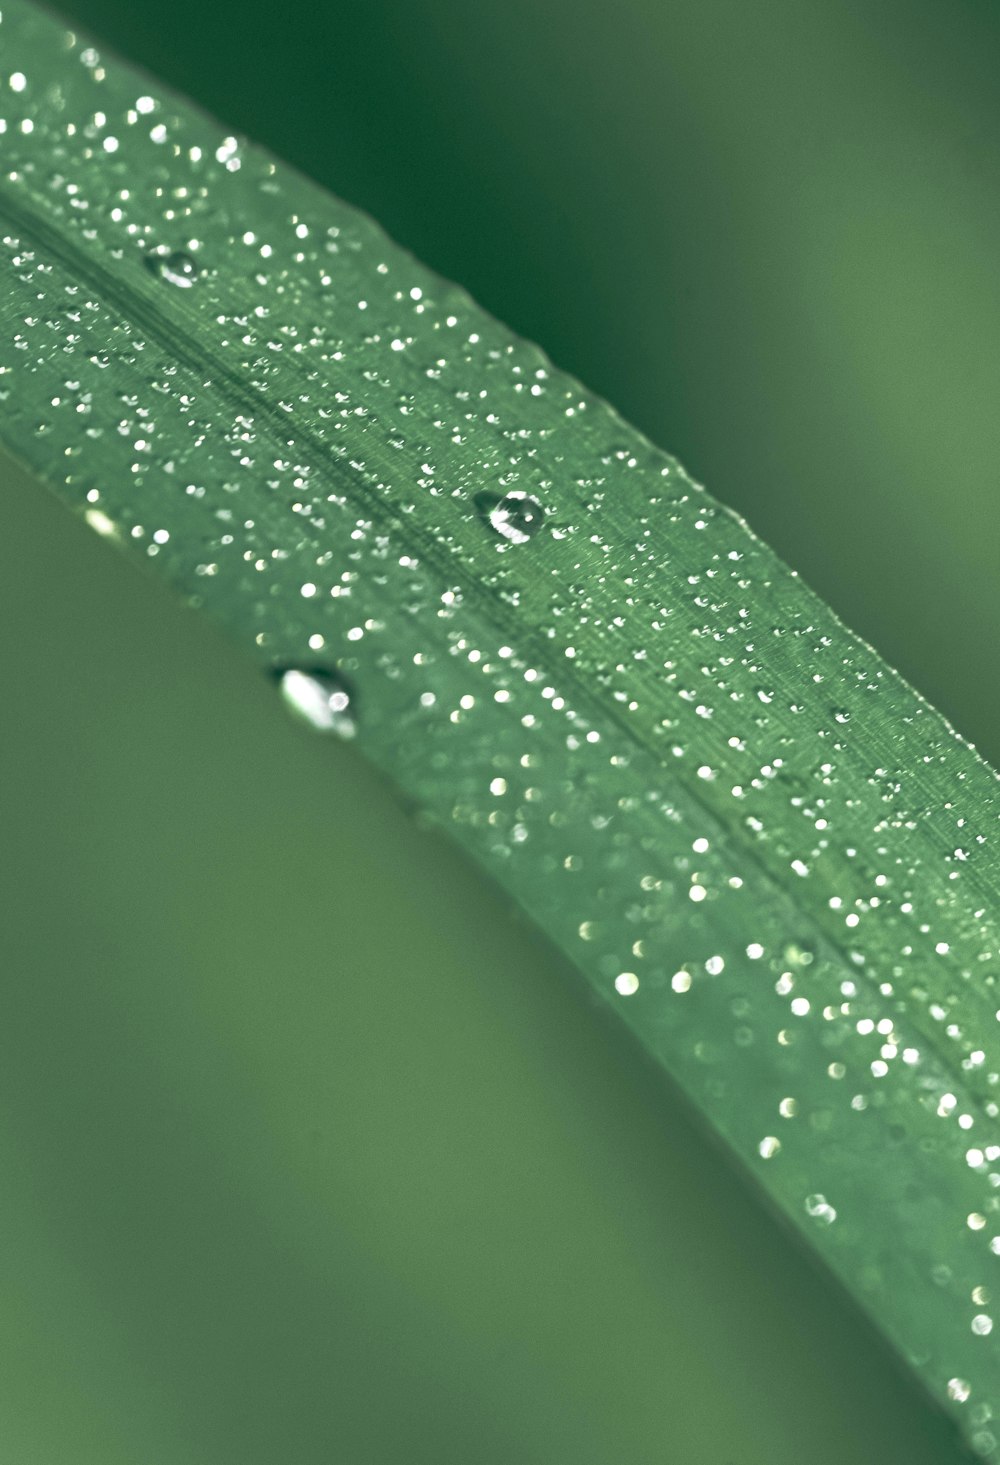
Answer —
(754, 840)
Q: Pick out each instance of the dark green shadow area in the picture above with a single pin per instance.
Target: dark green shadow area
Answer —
(311, 1152)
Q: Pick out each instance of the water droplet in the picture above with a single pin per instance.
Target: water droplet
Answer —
(320, 697)
(820, 1209)
(175, 266)
(798, 954)
(515, 517)
(958, 1390)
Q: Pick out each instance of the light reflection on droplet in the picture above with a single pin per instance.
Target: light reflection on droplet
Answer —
(820, 1209)
(515, 517)
(320, 697)
(175, 266)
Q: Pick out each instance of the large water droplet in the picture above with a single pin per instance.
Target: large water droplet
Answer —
(515, 517)
(320, 697)
(175, 266)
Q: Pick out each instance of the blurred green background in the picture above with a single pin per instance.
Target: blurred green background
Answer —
(312, 1153)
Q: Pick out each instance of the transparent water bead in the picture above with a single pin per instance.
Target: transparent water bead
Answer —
(175, 266)
(320, 697)
(515, 517)
(820, 1209)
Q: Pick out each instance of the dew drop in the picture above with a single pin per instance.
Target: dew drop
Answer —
(175, 266)
(798, 954)
(820, 1209)
(320, 697)
(515, 517)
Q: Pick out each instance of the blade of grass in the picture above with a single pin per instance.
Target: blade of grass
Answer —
(751, 836)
